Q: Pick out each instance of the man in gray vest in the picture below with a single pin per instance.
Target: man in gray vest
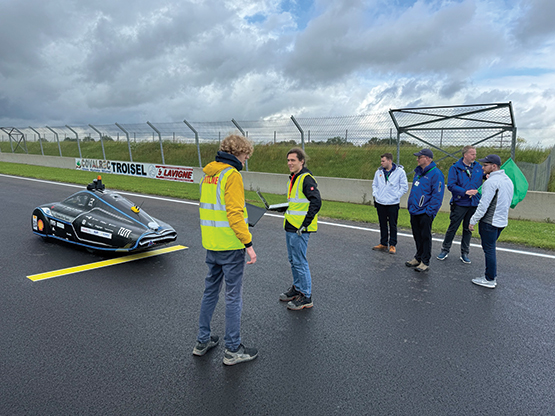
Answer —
(493, 214)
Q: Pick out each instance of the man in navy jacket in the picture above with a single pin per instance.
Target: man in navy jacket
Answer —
(464, 179)
(425, 198)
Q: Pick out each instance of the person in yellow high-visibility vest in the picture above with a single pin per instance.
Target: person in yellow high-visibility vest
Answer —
(226, 237)
(301, 219)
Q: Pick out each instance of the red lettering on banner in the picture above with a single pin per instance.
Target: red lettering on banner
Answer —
(174, 173)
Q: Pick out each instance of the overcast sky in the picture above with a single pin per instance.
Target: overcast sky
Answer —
(106, 61)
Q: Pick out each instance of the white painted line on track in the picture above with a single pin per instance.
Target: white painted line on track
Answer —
(354, 227)
(159, 198)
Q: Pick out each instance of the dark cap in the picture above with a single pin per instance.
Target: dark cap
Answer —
(425, 152)
(496, 160)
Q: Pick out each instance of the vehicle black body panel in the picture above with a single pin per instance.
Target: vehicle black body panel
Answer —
(101, 220)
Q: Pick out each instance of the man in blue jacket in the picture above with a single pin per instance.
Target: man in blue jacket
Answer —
(464, 179)
(425, 198)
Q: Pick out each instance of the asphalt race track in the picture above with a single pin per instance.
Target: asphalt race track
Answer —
(380, 340)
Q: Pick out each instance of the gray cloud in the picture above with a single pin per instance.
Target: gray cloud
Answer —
(536, 21)
(67, 62)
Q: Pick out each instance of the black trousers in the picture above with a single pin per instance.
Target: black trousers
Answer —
(459, 214)
(422, 233)
(388, 215)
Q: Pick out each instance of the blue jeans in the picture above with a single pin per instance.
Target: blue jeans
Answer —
(489, 235)
(229, 266)
(296, 250)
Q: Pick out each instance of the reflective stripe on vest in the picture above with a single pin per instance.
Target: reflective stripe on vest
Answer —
(298, 205)
(217, 235)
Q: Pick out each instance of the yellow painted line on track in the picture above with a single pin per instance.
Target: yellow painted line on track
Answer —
(105, 263)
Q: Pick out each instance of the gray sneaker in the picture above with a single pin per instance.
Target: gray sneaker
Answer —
(482, 281)
(421, 268)
(242, 355)
(202, 347)
(300, 302)
(291, 294)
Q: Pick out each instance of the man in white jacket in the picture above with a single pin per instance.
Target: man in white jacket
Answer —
(389, 185)
(493, 214)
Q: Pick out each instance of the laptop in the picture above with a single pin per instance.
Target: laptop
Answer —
(254, 213)
(274, 207)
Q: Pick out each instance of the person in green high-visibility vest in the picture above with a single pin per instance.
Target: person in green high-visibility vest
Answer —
(301, 219)
(227, 240)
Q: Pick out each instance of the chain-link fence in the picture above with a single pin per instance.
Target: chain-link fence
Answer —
(440, 128)
(460, 125)
(538, 175)
(355, 130)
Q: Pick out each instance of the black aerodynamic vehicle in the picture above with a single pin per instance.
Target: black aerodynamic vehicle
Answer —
(104, 220)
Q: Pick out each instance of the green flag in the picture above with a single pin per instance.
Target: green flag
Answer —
(520, 183)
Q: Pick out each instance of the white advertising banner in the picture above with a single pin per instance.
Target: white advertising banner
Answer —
(145, 170)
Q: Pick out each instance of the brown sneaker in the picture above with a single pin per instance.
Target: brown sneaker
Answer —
(380, 247)
(412, 263)
(422, 268)
(392, 250)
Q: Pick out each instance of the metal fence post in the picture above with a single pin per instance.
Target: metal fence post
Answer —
(513, 145)
(101, 140)
(57, 138)
(40, 140)
(128, 143)
(300, 130)
(77, 137)
(10, 139)
(24, 140)
(5, 129)
(398, 148)
(243, 133)
(159, 138)
(196, 140)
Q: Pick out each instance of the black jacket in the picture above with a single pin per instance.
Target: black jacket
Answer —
(310, 190)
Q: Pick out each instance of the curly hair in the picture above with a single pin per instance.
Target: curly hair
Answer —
(236, 145)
